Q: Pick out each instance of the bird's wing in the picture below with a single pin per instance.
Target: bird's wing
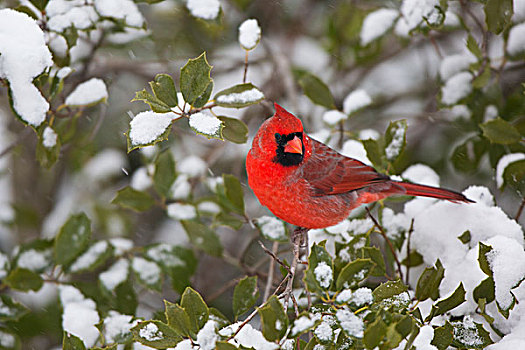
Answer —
(329, 172)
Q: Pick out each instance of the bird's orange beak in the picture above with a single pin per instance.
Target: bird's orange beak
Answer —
(294, 146)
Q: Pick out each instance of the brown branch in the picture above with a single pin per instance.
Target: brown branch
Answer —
(390, 246)
(520, 210)
(271, 268)
(410, 230)
(296, 240)
(245, 67)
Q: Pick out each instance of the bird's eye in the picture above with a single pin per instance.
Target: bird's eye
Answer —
(278, 137)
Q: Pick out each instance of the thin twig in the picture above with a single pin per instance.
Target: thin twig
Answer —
(272, 254)
(410, 230)
(390, 246)
(223, 289)
(245, 67)
(520, 210)
(271, 269)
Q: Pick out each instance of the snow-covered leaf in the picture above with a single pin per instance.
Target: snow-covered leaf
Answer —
(11, 310)
(376, 24)
(206, 124)
(155, 334)
(249, 34)
(395, 140)
(272, 228)
(93, 257)
(88, 93)
(72, 342)
(204, 9)
(239, 96)
(320, 273)
(9, 340)
(147, 272)
(147, 128)
(353, 273)
(114, 276)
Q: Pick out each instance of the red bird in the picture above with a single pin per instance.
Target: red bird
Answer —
(308, 184)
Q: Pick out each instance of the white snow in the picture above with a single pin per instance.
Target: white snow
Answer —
(87, 93)
(324, 332)
(376, 24)
(207, 336)
(64, 72)
(360, 297)
(205, 123)
(367, 134)
(121, 245)
(192, 166)
(334, 116)
(23, 56)
(505, 161)
(395, 145)
(271, 227)
(141, 179)
(209, 207)
(423, 339)
(104, 165)
(468, 334)
(412, 13)
(506, 252)
(179, 211)
(115, 275)
(81, 17)
(205, 9)
(148, 271)
(124, 10)
(117, 326)
(352, 324)
(247, 96)
(181, 188)
(356, 100)
(247, 337)
(491, 112)
(421, 174)
(89, 257)
(162, 253)
(302, 324)
(355, 149)
(456, 88)
(516, 41)
(49, 137)
(148, 126)
(323, 274)
(453, 64)
(519, 11)
(249, 34)
(7, 340)
(4, 265)
(151, 332)
(80, 315)
(460, 111)
(34, 260)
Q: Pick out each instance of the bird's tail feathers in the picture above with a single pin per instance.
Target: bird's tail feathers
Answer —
(433, 192)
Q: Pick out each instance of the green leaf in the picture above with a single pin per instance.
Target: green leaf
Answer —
(222, 345)
(72, 342)
(164, 175)
(481, 79)
(39, 4)
(375, 152)
(316, 277)
(316, 90)
(465, 237)
(443, 336)
(234, 130)
(195, 78)
(405, 325)
(11, 310)
(485, 290)
(155, 334)
(24, 280)
(245, 295)
(498, 14)
(70, 34)
(273, 319)
(202, 237)
(148, 273)
(353, 273)
(205, 97)
(196, 309)
(10, 341)
(429, 281)
(164, 89)
(514, 174)
(467, 155)
(239, 96)
(28, 11)
(156, 105)
(482, 258)
(457, 298)
(132, 199)
(177, 319)
(234, 192)
(72, 239)
(374, 333)
(500, 131)
(473, 47)
(47, 156)
(388, 290)
(413, 259)
(376, 256)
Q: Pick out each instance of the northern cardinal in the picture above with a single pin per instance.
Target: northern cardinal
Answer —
(308, 184)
